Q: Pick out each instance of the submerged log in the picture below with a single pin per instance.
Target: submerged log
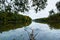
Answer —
(32, 35)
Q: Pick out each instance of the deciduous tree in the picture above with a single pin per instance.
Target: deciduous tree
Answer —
(21, 5)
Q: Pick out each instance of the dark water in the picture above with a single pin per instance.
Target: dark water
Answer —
(41, 32)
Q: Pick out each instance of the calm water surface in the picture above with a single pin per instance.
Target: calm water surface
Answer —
(41, 32)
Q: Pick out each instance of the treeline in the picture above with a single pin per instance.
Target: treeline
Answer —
(10, 21)
(53, 18)
(13, 18)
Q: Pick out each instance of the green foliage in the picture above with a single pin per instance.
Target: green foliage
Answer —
(53, 18)
(12, 16)
(40, 4)
(21, 5)
(58, 5)
(41, 20)
(53, 21)
(13, 20)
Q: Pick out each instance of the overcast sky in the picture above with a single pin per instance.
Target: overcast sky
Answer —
(45, 12)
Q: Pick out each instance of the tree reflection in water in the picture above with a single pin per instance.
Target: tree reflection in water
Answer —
(13, 25)
(54, 25)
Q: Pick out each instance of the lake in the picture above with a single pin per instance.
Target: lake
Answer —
(41, 31)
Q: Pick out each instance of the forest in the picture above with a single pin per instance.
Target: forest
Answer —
(17, 26)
